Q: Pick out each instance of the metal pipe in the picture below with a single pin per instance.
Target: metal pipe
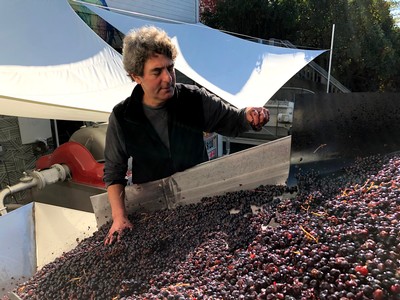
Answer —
(55, 173)
(21, 186)
(37, 179)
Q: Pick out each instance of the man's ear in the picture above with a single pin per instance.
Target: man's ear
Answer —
(135, 78)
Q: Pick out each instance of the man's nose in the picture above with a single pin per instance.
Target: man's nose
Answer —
(167, 75)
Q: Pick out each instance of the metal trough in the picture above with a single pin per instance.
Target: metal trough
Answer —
(260, 165)
(34, 235)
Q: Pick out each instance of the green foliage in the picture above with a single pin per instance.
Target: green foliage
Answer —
(257, 18)
(366, 53)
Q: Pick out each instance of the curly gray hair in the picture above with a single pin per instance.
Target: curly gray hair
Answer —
(140, 44)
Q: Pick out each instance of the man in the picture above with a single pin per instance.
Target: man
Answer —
(161, 125)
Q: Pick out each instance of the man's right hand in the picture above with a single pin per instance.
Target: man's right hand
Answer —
(116, 196)
(116, 230)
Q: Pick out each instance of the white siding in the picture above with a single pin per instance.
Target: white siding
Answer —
(177, 10)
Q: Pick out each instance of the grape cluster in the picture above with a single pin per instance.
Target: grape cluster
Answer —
(338, 237)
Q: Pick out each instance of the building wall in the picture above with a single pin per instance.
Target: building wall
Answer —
(15, 157)
(179, 10)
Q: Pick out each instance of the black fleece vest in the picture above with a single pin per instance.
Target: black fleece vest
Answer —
(151, 159)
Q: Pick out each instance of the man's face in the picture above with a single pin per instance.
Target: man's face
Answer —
(158, 80)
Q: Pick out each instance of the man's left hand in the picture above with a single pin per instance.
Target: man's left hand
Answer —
(257, 117)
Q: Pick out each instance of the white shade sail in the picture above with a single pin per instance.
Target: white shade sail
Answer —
(242, 72)
(53, 66)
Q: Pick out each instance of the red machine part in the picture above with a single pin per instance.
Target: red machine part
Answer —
(84, 168)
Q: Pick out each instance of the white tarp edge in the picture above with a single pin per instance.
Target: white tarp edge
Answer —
(53, 66)
(242, 72)
(38, 110)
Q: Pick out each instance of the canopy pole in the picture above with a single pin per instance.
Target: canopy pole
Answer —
(55, 133)
(330, 59)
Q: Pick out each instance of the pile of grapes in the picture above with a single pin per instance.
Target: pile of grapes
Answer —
(337, 237)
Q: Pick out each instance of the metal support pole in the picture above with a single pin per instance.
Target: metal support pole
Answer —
(330, 59)
(55, 134)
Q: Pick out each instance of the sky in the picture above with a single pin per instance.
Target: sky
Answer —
(396, 13)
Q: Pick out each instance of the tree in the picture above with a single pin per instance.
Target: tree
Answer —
(256, 18)
(366, 53)
(368, 63)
